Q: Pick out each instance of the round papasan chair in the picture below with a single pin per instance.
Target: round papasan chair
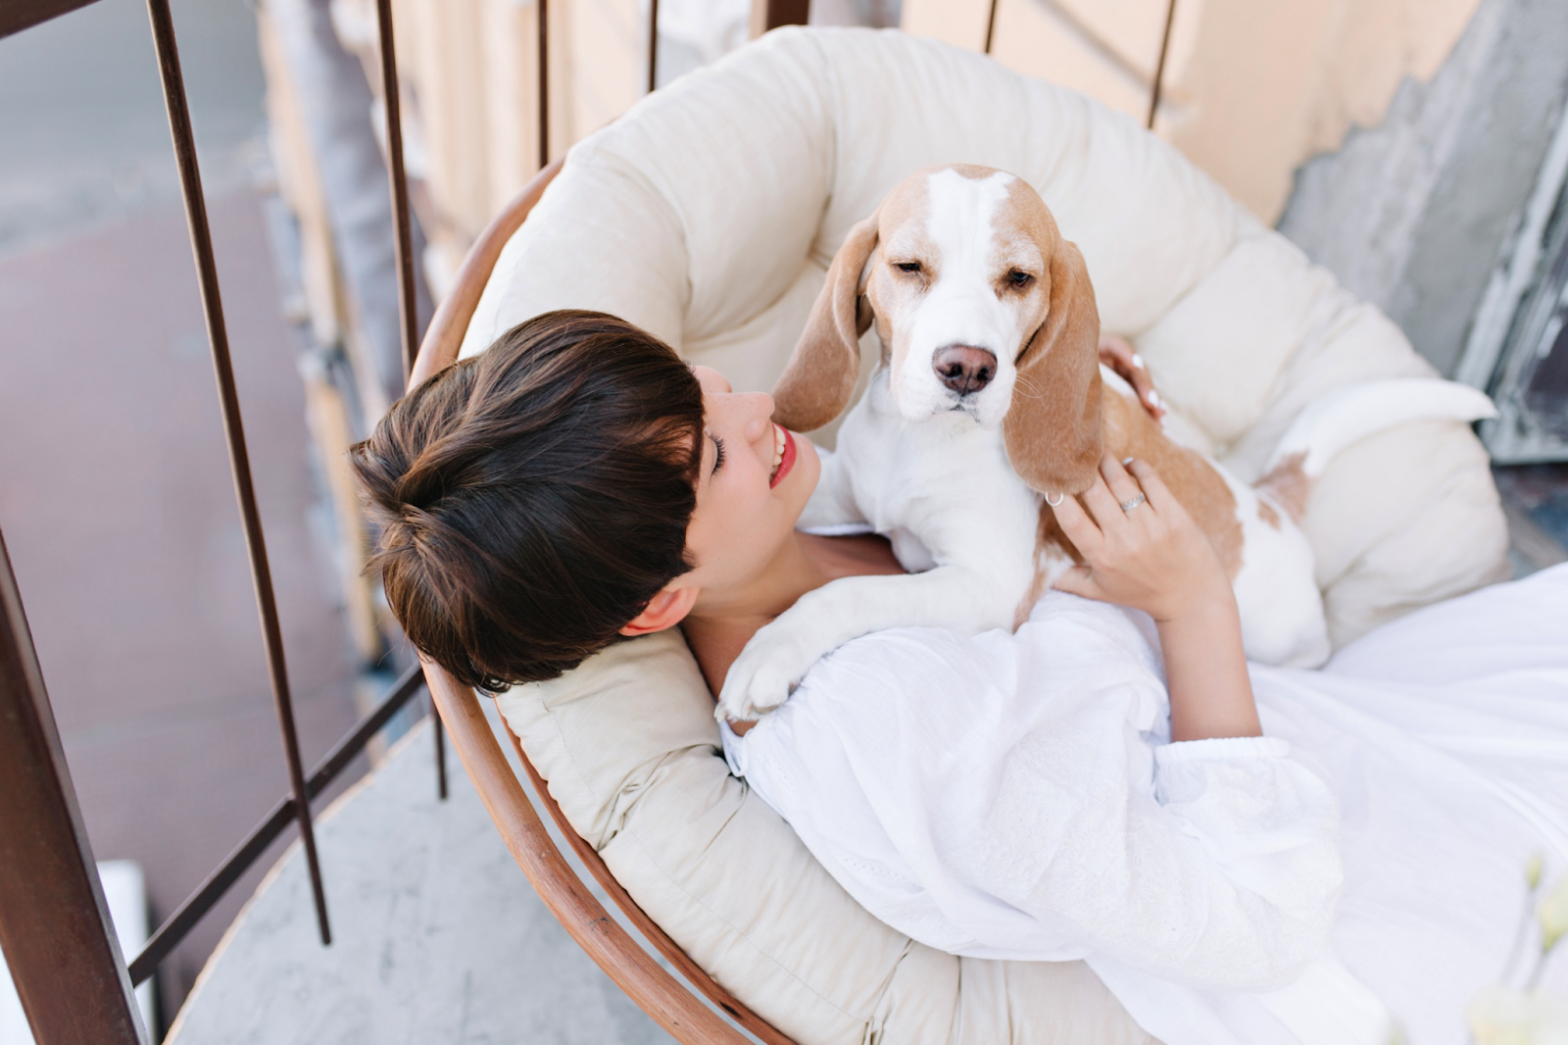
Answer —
(708, 215)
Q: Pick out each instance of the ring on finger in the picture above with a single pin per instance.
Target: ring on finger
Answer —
(1128, 506)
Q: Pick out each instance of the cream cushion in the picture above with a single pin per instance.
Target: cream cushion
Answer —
(708, 215)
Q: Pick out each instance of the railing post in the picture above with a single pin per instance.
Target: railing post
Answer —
(54, 924)
(403, 239)
(402, 225)
(544, 82)
(239, 457)
(770, 14)
(17, 15)
(1158, 86)
(653, 46)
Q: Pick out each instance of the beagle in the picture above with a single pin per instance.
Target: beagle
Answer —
(991, 403)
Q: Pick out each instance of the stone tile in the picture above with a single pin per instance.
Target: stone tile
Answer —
(437, 937)
(83, 136)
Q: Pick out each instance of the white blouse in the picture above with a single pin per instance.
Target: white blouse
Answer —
(1017, 796)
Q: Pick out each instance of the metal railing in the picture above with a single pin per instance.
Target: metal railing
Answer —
(55, 931)
(73, 983)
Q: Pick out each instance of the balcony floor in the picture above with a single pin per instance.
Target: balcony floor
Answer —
(438, 937)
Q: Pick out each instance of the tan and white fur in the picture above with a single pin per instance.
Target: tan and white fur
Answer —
(990, 404)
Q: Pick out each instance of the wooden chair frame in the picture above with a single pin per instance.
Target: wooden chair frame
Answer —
(671, 1004)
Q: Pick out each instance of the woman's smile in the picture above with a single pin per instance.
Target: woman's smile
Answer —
(783, 455)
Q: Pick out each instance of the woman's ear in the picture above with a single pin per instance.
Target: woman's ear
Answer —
(820, 376)
(665, 610)
(1052, 429)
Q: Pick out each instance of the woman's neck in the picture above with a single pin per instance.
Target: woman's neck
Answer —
(721, 624)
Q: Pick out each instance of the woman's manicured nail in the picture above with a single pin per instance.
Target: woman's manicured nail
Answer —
(1154, 398)
(1126, 461)
(1137, 361)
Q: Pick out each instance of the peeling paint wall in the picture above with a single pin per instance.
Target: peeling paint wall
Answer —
(1252, 88)
(1414, 214)
(1395, 141)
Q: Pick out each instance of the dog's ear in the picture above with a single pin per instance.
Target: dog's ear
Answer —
(1052, 429)
(820, 376)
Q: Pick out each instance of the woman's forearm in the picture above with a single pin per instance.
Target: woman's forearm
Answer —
(1142, 549)
(1206, 671)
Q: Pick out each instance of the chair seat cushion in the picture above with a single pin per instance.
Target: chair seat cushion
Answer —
(708, 215)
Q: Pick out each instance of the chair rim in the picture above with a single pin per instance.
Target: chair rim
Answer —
(670, 1003)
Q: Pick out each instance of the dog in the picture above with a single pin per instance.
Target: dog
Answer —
(989, 405)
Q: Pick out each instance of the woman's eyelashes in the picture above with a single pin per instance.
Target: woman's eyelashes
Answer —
(718, 451)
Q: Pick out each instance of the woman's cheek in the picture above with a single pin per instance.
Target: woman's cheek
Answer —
(808, 469)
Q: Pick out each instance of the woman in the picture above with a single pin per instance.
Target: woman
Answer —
(1040, 795)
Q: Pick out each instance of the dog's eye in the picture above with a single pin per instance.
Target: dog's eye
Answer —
(1019, 279)
(907, 266)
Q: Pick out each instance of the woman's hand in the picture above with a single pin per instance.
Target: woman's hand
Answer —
(1116, 353)
(1150, 556)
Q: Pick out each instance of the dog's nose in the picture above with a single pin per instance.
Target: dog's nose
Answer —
(964, 368)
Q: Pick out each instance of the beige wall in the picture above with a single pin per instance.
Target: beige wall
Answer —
(1252, 87)
(469, 75)
(609, 55)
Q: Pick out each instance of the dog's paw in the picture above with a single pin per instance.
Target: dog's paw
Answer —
(751, 689)
(762, 677)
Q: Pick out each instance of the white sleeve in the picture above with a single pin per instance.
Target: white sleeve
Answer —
(1225, 877)
(1014, 784)
(1268, 829)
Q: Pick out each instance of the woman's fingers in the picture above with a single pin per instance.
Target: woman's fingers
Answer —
(1154, 487)
(1116, 353)
(1123, 486)
(1102, 504)
(1076, 524)
(1119, 489)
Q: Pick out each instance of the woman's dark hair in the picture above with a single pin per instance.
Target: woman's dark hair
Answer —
(533, 499)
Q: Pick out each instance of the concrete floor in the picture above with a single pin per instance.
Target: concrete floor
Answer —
(1535, 499)
(438, 937)
(83, 137)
